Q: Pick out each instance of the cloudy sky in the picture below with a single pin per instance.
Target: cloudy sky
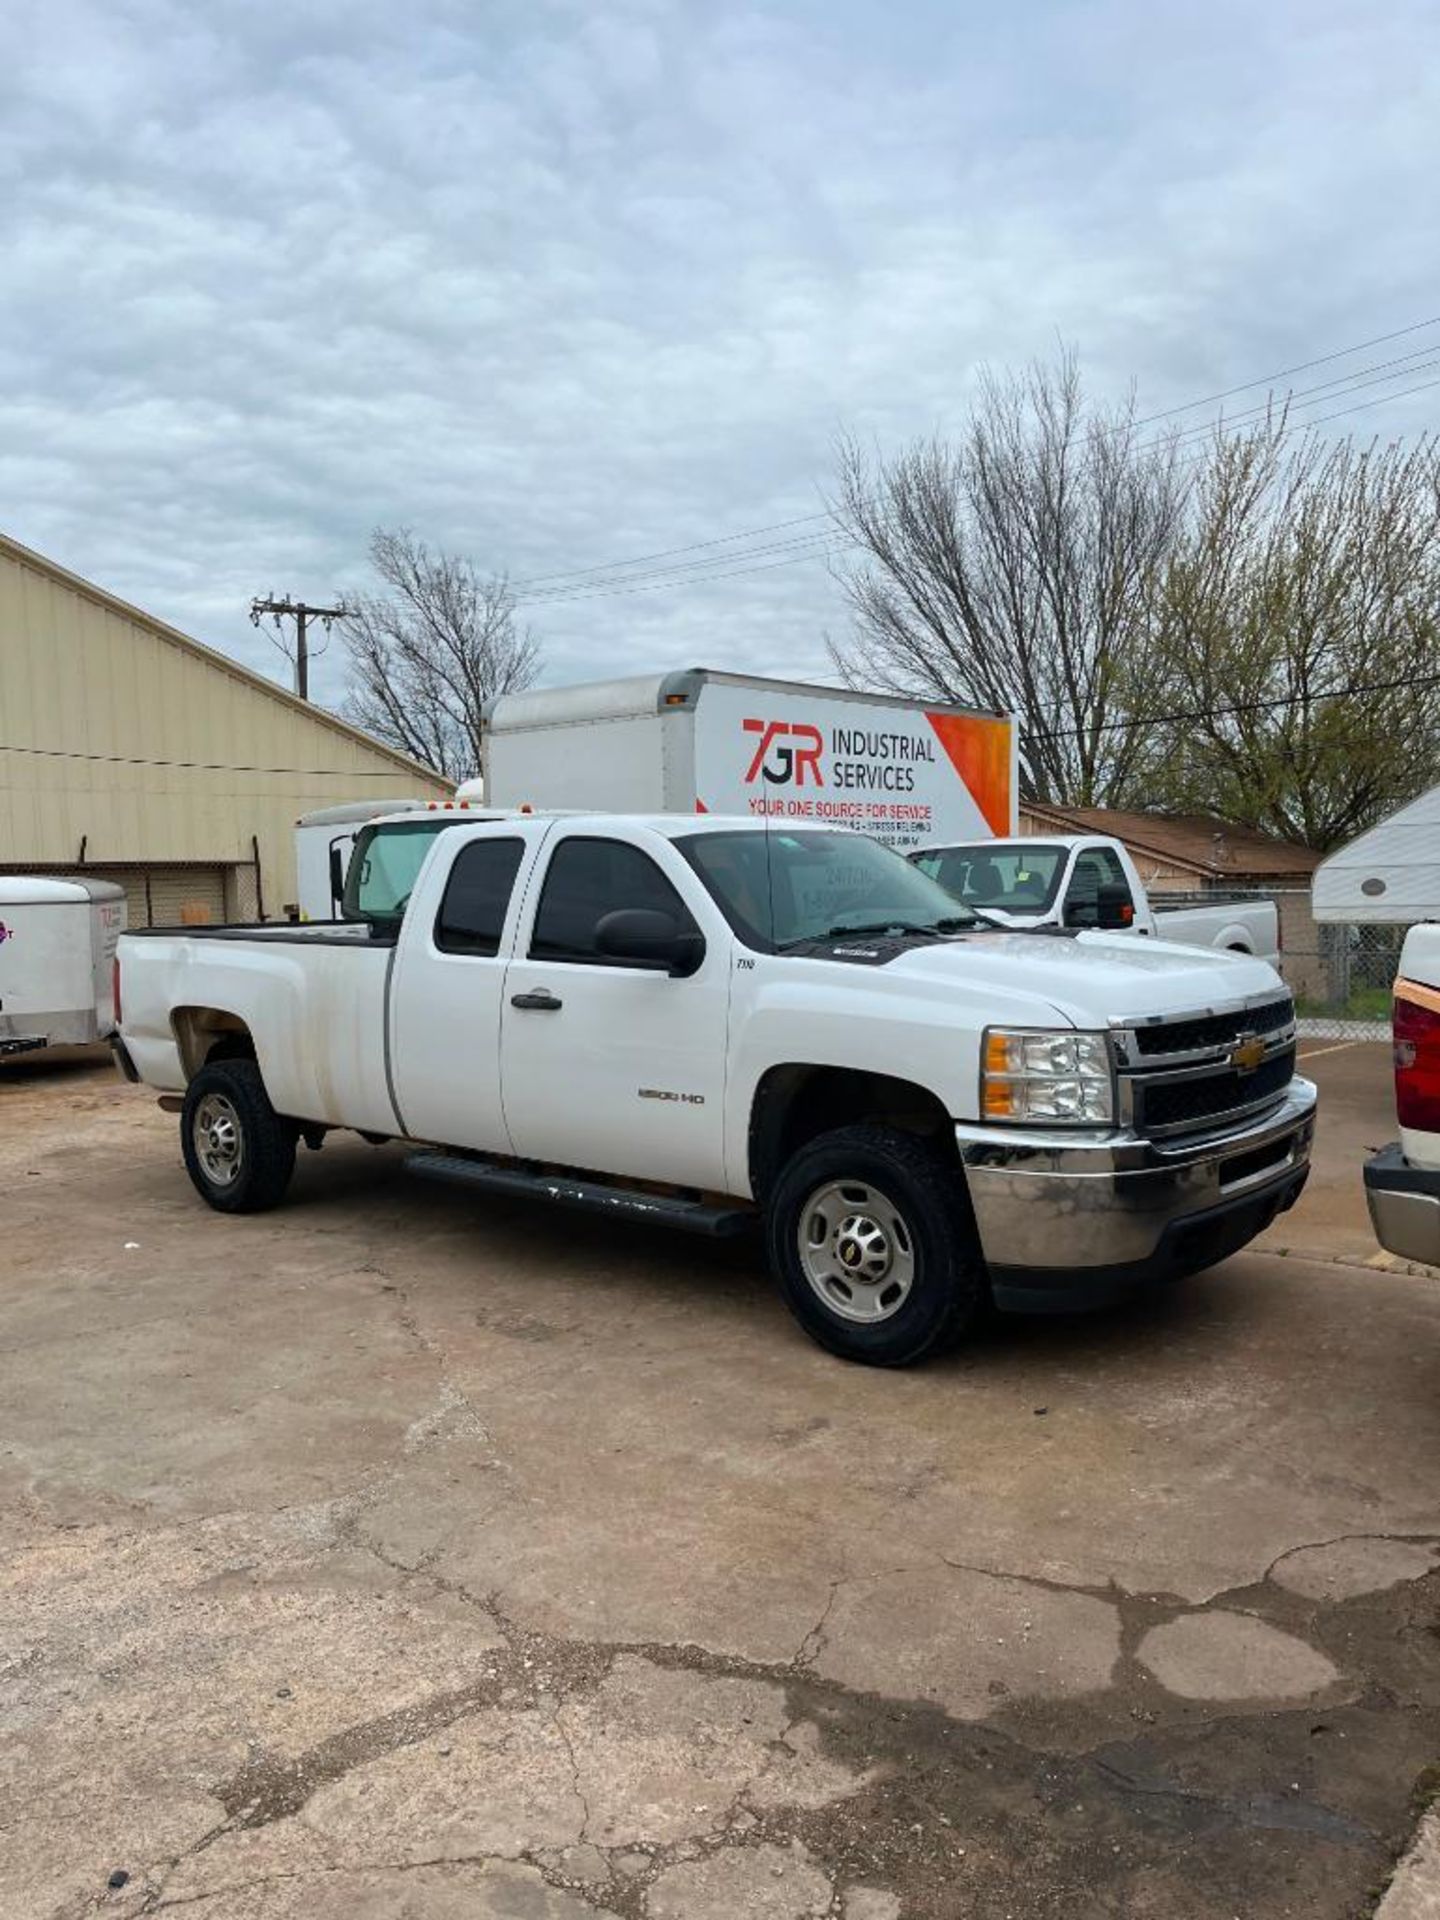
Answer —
(560, 284)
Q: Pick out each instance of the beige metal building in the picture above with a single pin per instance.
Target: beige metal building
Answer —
(129, 751)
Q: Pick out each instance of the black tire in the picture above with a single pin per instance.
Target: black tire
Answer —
(228, 1098)
(935, 1279)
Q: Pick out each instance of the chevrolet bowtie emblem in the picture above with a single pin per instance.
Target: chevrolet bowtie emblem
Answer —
(1247, 1053)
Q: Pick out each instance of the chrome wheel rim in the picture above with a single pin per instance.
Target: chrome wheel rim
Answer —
(218, 1141)
(856, 1251)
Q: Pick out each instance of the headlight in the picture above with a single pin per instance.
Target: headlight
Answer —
(1046, 1076)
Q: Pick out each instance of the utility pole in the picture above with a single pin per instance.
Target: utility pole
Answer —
(302, 615)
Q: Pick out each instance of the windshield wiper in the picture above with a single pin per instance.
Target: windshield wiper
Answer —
(869, 929)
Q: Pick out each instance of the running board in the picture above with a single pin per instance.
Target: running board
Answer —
(593, 1196)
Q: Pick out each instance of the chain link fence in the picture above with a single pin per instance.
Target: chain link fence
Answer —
(1339, 973)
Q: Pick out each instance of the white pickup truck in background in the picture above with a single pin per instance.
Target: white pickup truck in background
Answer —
(717, 1021)
(1064, 880)
(1402, 1181)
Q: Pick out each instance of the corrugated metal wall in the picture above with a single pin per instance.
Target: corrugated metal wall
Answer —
(121, 743)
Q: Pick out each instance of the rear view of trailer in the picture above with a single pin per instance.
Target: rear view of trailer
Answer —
(57, 955)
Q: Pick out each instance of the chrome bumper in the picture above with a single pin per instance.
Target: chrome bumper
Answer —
(1404, 1202)
(1052, 1205)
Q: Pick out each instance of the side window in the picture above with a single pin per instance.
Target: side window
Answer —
(472, 914)
(588, 879)
(1097, 867)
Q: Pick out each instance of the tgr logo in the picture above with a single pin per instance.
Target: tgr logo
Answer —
(785, 765)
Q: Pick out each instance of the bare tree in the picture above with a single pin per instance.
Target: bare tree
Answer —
(1017, 571)
(1299, 635)
(430, 651)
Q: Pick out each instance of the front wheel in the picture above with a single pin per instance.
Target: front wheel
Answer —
(873, 1247)
(238, 1151)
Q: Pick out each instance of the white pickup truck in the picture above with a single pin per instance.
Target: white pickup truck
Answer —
(1089, 880)
(1402, 1181)
(716, 1021)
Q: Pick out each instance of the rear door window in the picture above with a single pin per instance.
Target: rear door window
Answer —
(477, 897)
(588, 878)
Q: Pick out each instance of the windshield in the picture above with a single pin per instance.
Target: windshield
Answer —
(386, 864)
(1015, 879)
(783, 888)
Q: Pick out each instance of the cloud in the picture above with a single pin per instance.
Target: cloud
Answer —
(556, 284)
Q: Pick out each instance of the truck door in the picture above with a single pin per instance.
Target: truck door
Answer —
(605, 1066)
(447, 994)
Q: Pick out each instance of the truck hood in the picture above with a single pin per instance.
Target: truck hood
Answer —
(1094, 978)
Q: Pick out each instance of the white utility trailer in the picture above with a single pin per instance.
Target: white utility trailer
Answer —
(57, 960)
(1390, 875)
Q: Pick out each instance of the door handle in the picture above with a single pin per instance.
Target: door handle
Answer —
(540, 1001)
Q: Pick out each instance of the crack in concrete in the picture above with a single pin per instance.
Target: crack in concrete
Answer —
(576, 1788)
(1421, 1539)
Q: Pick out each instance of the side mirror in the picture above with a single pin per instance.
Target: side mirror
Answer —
(337, 878)
(648, 938)
(1114, 908)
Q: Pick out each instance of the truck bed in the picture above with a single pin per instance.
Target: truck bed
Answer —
(318, 933)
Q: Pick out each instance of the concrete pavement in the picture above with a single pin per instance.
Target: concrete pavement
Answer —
(400, 1553)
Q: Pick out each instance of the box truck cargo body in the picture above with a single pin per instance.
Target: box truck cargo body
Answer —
(57, 957)
(323, 843)
(702, 741)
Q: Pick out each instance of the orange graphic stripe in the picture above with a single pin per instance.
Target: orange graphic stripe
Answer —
(979, 751)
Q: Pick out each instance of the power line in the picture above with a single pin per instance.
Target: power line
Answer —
(1304, 366)
(207, 766)
(820, 545)
(1404, 394)
(590, 586)
(583, 590)
(1248, 706)
(1309, 396)
(639, 559)
(733, 573)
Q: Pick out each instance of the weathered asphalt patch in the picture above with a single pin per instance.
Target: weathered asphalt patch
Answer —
(1231, 1656)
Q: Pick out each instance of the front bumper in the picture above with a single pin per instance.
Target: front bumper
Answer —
(1069, 1220)
(1404, 1202)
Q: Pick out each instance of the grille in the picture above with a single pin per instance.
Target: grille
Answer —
(1181, 1103)
(1214, 1029)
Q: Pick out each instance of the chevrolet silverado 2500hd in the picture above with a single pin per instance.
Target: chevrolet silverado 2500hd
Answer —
(708, 1021)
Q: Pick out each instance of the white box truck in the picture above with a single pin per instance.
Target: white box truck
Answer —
(701, 741)
(57, 959)
(324, 841)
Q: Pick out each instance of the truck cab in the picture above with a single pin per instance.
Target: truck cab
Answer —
(1090, 880)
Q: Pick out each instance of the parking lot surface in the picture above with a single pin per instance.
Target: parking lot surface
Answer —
(403, 1553)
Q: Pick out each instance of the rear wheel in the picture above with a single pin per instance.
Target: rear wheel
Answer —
(238, 1151)
(873, 1246)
